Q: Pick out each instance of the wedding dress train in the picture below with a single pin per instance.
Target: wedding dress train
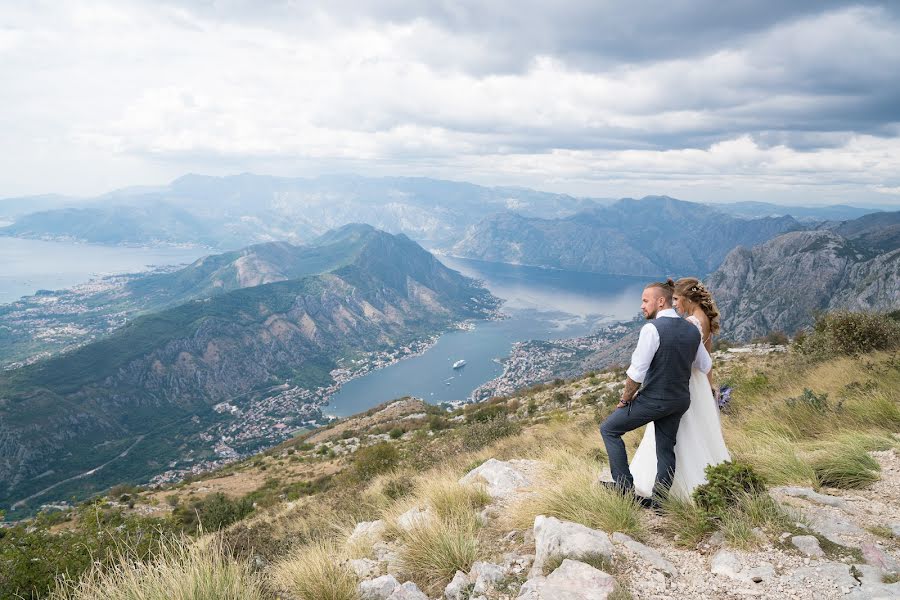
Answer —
(699, 443)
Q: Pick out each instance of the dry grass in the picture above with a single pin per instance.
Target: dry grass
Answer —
(576, 496)
(316, 572)
(432, 552)
(447, 497)
(186, 570)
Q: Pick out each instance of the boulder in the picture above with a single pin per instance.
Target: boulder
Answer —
(364, 567)
(380, 588)
(832, 526)
(485, 575)
(407, 591)
(553, 537)
(458, 587)
(573, 580)
(414, 517)
(502, 479)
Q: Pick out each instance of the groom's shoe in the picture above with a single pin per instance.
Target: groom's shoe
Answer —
(651, 503)
(615, 487)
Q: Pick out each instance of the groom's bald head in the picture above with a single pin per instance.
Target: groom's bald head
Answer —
(656, 297)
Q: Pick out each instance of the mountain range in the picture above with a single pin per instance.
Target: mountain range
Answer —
(782, 283)
(241, 338)
(654, 236)
(226, 213)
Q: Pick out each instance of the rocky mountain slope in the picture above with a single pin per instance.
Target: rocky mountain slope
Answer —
(652, 236)
(125, 407)
(782, 283)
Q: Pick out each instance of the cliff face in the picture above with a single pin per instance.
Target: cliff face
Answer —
(652, 236)
(781, 284)
(158, 378)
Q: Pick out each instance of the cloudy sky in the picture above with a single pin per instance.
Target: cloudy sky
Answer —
(793, 102)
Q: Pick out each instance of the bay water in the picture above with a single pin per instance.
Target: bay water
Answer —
(542, 304)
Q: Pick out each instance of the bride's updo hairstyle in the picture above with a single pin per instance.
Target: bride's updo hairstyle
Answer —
(692, 289)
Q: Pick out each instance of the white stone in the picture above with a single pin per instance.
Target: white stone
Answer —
(726, 563)
(837, 574)
(485, 575)
(813, 496)
(573, 580)
(646, 553)
(457, 588)
(364, 567)
(407, 591)
(503, 479)
(414, 517)
(367, 529)
(553, 537)
(832, 526)
(380, 588)
(763, 572)
(808, 545)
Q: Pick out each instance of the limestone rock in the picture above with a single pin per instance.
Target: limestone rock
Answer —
(808, 545)
(726, 563)
(813, 496)
(485, 575)
(503, 479)
(380, 588)
(368, 529)
(364, 567)
(458, 587)
(832, 526)
(646, 553)
(553, 537)
(407, 591)
(875, 556)
(573, 580)
(834, 573)
(414, 517)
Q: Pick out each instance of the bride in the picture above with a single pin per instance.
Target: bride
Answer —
(699, 441)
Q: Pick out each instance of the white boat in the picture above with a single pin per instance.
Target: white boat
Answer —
(459, 364)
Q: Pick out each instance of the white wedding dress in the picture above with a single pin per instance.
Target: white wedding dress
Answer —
(698, 443)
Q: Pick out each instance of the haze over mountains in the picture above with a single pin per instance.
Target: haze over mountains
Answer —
(267, 324)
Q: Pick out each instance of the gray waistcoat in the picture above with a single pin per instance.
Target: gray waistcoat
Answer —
(669, 375)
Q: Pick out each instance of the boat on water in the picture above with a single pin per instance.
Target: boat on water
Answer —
(459, 364)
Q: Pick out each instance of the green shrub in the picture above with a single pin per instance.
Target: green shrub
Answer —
(372, 460)
(213, 512)
(817, 402)
(485, 412)
(481, 433)
(396, 433)
(726, 483)
(851, 333)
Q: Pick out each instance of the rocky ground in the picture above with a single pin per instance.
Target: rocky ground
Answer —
(559, 560)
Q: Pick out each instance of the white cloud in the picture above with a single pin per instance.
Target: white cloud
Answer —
(115, 93)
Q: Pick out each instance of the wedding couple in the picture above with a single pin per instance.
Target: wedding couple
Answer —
(668, 389)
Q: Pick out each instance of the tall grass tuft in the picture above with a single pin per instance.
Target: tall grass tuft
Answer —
(576, 496)
(686, 522)
(432, 552)
(316, 572)
(845, 465)
(450, 499)
(184, 570)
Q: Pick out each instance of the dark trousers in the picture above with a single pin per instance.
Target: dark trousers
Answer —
(665, 416)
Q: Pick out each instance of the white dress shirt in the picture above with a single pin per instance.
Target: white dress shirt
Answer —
(648, 344)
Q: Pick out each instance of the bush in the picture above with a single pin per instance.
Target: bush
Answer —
(485, 412)
(396, 433)
(817, 402)
(726, 484)
(851, 333)
(372, 460)
(212, 513)
(481, 433)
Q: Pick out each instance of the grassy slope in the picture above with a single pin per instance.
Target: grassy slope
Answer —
(326, 492)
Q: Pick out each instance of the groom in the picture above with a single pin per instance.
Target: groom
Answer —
(667, 349)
